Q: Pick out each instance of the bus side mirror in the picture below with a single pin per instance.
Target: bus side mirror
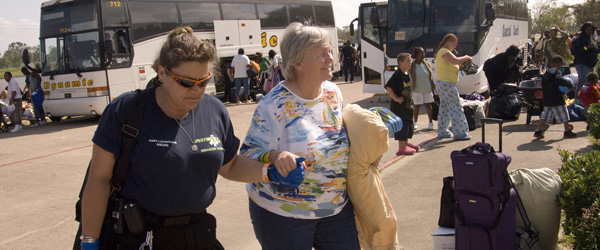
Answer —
(25, 57)
(490, 14)
(352, 26)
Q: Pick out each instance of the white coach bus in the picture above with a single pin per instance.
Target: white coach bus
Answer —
(94, 50)
(484, 28)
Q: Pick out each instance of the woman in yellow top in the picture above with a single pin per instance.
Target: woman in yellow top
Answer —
(446, 64)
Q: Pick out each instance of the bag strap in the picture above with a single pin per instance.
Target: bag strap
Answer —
(520, 206)
(129, 133)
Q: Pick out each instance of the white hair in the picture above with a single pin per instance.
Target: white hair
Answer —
(296, 41)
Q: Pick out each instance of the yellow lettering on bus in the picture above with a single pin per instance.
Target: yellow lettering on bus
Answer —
(53, 86)
(46, 85)
(67, 84)
(76, 83)
(263, 39)
(61, 85)
(273, 41)
(115, 3)
(90, 82)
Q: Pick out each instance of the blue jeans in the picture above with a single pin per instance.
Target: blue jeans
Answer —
(238, 85)
(37, 97)
(275, 232)
(582, 71)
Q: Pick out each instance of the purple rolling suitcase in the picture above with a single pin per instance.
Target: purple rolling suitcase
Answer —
(485, 203)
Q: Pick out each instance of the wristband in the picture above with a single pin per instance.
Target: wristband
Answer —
(90, 245)
(265, 173)
(87, 239)
(265, 157)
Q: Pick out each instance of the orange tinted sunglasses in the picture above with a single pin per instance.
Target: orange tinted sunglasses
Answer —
(188, 82)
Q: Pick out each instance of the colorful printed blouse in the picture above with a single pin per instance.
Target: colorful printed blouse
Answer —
(308, 128)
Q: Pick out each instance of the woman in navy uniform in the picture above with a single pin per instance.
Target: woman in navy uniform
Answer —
(185, 140)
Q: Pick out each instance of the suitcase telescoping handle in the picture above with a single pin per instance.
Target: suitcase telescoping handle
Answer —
(492, 120)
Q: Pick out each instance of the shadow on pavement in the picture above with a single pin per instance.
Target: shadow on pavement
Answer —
(537, 145)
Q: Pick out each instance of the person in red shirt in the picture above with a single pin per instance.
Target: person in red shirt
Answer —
(590, 92)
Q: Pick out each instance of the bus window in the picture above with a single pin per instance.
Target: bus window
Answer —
(151, 18)
(122, 50)
(241, 11)
(324, 16)
(200, 16)
(114, 14)
(302, 14)
(51, 55)
(64, 19)
(272, 15)
(82, 52)
(369, 31)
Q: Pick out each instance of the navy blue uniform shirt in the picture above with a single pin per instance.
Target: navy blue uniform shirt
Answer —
(167, 177)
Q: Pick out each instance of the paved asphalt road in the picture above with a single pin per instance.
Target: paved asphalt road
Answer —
(41, 171)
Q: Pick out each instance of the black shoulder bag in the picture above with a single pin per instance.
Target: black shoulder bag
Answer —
(113, 225)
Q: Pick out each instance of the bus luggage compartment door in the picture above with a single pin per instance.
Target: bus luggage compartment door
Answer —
(230, 35)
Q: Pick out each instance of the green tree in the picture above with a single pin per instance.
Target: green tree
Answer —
(12, 57)
(344, 35)
(588, 11)
(546, 14)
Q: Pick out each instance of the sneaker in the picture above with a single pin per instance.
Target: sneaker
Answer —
(539, 134)
(416, 125)
(406, 151)
(569, 134)
(463, 137)
(445, 135)
(413, 146)
(430, 127)
(17, 128)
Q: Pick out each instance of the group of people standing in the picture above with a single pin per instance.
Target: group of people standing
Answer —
(13, 97)
(413, 86)
(251, 74)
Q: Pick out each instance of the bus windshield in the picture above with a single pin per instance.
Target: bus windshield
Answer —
(420, 20)
(69, 38)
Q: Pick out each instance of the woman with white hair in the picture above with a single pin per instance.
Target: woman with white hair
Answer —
(302, 117)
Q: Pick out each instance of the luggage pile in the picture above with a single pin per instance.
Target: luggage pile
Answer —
(481, 201)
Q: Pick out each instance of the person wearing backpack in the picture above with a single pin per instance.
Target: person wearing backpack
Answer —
(590, 92)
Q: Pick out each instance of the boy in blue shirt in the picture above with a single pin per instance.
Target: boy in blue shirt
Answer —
(554, 99)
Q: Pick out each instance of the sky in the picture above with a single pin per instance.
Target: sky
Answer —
(20, 22)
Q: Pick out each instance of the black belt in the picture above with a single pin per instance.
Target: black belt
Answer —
(159, 220)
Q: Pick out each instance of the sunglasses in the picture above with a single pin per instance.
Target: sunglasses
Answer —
(188, 82)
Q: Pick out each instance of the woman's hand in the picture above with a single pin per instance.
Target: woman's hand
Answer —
(399, 100)
(284, 161)
(467, 59)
